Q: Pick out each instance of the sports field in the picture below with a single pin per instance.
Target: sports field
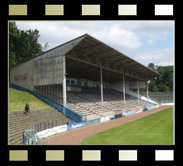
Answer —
(155, 129)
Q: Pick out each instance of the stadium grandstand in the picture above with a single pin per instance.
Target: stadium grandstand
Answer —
(87, 77)
(161, 97)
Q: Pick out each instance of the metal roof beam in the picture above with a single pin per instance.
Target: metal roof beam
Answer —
(112, 68)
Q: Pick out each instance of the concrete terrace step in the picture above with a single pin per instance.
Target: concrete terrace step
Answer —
(16, 136)
(16, 141)
(18, 122)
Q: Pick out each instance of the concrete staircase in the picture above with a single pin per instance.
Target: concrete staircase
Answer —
(18, 122)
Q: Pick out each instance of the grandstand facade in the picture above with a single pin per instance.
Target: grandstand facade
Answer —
(87, 76)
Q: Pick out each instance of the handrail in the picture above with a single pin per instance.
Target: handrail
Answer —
(26, 131)
(30, 135)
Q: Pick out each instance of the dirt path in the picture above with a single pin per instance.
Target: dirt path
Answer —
(75, 137)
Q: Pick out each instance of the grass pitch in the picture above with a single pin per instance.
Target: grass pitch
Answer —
(155, 129)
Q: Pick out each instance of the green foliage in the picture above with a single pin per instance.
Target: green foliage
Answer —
(46, 45)
(151, 66)
(13, 35)
(164, 82)
(22, 44)
(152, 86)
(155, 129)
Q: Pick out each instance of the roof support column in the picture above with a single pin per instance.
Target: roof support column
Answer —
(64, 81)
(49, 91)
(124, 87)
(147, 92)
(57, 92)
(46, 90)
(138, 89)
(51, 94)
(101, 86)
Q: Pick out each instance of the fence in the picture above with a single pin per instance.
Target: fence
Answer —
(166, 101)
(30, 138)
(94, 121)
(30, 134)
(36, 134)
(49, 124)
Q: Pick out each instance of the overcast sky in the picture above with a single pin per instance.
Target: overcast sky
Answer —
(144, 41)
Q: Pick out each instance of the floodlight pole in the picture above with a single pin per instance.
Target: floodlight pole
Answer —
(124, 87)
(64, 81)
(101, 86)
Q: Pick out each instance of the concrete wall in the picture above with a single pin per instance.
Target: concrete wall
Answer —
(133, 85)
(23, 75)
(48, 71)
(90, 83)
(82, 82)
(119, 86)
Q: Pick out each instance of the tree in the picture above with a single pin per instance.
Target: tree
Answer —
(152, 86)
(46, 45)
(151, 66)
(13, 37)
(164, 82)
(22, 44)
(35, 47)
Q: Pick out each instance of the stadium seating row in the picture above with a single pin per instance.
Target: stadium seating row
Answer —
(88, 102)
(160, 96)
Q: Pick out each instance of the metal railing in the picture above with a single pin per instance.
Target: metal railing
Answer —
(30, 134)
(49, 124)
(167, 101)
(30, 137)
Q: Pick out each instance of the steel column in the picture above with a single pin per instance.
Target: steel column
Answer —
(147, 92)
(124, 87)
(46, 90)
(138, 89)
(53, 92)
(101, 86)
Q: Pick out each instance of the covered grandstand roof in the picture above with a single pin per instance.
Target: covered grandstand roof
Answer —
(86, 54)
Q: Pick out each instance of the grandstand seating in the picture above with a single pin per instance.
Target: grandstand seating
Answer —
(161, 96)
(88, 102)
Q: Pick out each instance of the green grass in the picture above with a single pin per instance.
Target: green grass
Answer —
(18, 99)
(155, 129)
